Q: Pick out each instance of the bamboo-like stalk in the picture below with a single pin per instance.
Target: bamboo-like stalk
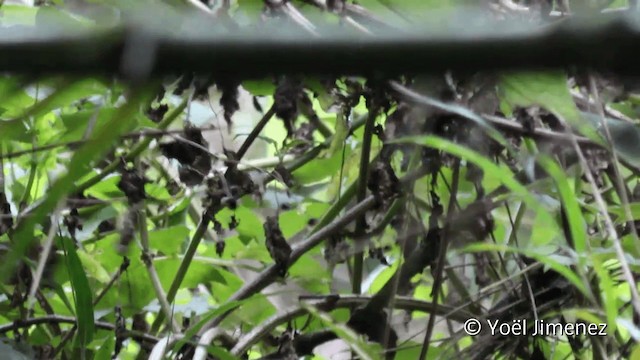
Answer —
(606, 44)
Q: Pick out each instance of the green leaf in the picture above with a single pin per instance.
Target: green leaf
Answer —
(81, 159)
(83, 298)
(548, 90)
(76, 122)
(93, 267)
(618, 211)
(168, 240)
(199, 272)
(106, 349)
(575, 219)
(15, 129)
(259, 87)
(319, 169)
(65, 93)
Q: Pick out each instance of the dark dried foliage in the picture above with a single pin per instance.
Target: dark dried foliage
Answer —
(229, 98)
(277, 245)
(195, 160)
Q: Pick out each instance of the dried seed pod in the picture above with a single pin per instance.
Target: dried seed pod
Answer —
(157, 114)
(278, 247)
(140, 323)
(195, 160)
(132, 185)
(6, 219)
(229, 98)
(242, 183)
(233, 222)
(217, 227)
(106, 226)
(383, 182)
(120, 331)
(378, 253)
(286, 97)
(220, 245)
(215, 193)
(285, 175)
(73, 222)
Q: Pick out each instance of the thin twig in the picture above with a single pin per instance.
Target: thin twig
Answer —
(255, 132)
(153, 275)
(442, 255)
(44, 257)
(619, 185)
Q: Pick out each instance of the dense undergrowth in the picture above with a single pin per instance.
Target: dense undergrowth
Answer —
(381, 211)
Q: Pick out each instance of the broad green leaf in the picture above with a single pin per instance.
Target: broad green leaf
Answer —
(383, 277)
(90, 151)
(15, 129)
(319, 169)
(259, 87)
(199, 272)
(168, 240)
(549, 90)
(105, 351)
(93, 267)
(310, 274)
(64, 94)
(618, 211)
(77, 122)
(635, 354)
(291, 222)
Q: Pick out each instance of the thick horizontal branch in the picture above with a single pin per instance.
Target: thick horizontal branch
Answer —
(141, 48)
